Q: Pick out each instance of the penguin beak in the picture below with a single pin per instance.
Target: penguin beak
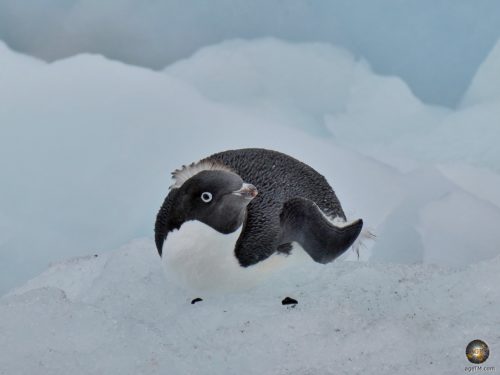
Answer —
(247, 191)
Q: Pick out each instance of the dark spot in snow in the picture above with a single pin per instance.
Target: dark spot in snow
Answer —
(95, 255)
(289, 301)
(196, 300)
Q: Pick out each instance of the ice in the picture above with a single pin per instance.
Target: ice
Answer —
(352, 317)
(87, 146)
(375, 115)
(250, 76)
(459, 229)
(438, 222)
(485, 85)
(481, 182)
(434, 47)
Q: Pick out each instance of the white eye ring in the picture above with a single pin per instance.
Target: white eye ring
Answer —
(206, 196)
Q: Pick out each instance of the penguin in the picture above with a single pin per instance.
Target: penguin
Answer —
(231, 219)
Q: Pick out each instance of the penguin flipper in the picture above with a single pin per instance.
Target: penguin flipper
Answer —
(302, 221)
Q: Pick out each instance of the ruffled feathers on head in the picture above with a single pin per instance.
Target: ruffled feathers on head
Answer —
(179, 176)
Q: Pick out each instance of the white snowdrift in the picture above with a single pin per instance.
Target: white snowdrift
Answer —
(116, 314)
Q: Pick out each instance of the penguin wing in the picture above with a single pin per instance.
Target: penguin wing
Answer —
(302, 221)
(260, 236)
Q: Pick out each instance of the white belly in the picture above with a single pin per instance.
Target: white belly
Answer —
(202, 259)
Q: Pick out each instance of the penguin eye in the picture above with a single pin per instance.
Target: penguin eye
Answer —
(206, 197)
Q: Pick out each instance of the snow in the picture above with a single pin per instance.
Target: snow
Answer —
(114, 313)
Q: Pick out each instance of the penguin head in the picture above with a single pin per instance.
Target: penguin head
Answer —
(217, 198)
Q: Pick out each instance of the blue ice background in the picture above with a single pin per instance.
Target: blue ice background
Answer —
(435, 46)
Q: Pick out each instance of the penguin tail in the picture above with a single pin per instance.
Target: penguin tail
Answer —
(365, 236)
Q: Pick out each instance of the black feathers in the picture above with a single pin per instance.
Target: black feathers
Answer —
(279, 178)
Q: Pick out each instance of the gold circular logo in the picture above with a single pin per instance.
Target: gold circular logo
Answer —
(477, 351)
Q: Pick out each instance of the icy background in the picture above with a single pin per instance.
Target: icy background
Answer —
(435, 46)
(86, 147)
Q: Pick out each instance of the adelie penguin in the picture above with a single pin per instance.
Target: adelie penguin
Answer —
(230, 219)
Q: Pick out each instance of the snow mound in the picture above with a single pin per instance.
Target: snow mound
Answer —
(115, 313)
